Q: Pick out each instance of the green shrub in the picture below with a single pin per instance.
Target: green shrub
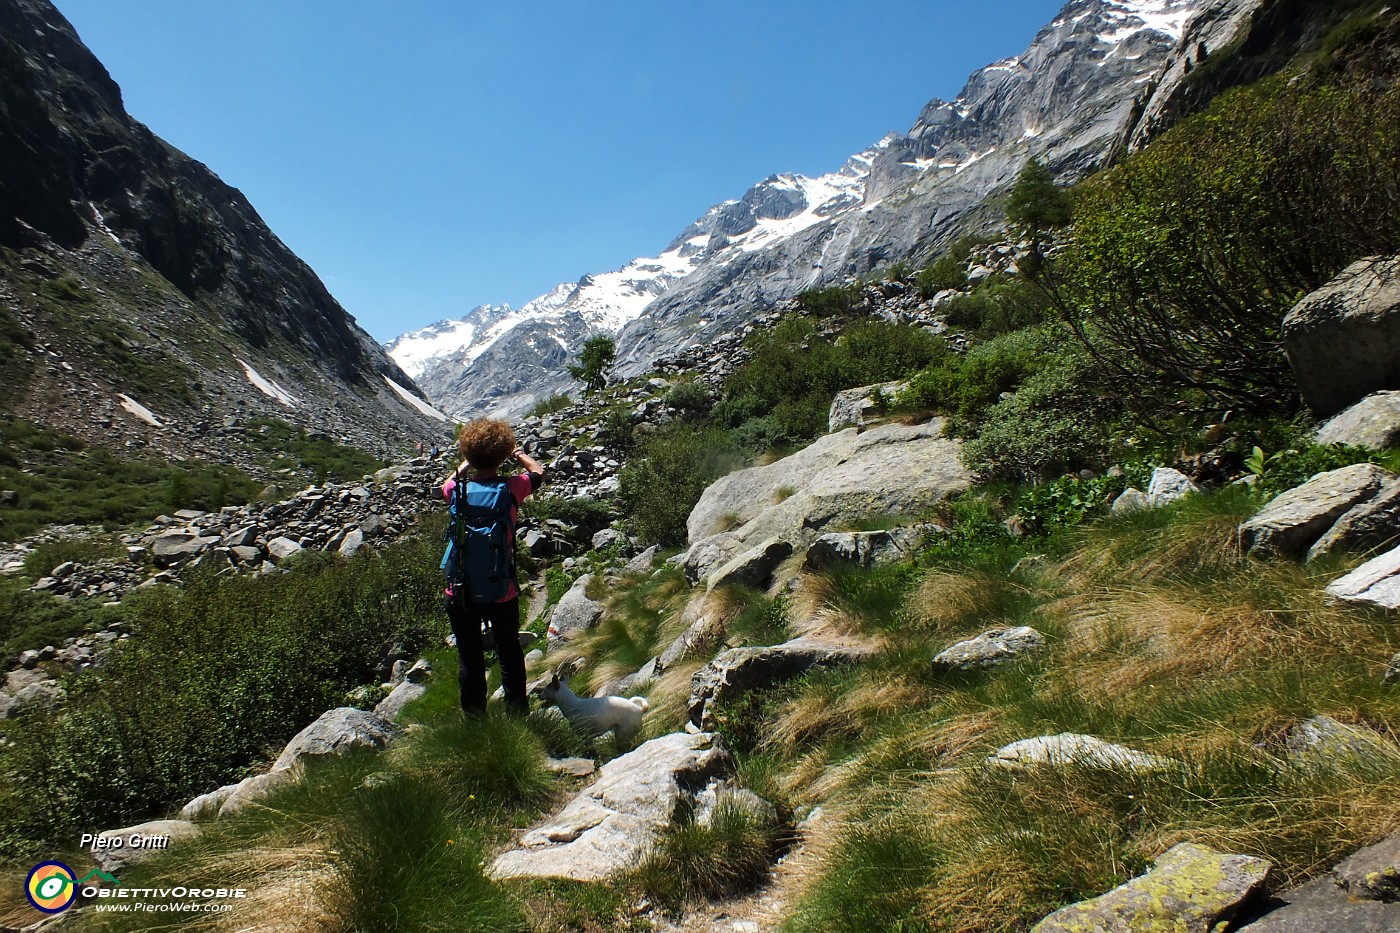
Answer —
(966, 386)
(664, 480)
(947, 273)
(783, 394)
(837, 301)
(997, 305)
(549, 406)
(1055, 422)
(219, 672)
(1186, 257)
(693, 398)
(1067, 501)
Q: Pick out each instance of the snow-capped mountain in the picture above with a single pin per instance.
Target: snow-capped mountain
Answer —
(1070, 99)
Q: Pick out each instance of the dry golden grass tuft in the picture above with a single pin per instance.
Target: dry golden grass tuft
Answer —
(949, 602)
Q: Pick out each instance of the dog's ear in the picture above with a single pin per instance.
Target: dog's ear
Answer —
(554, 681)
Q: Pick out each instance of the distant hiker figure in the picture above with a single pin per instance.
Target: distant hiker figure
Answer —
(420, 448)
(434, 454)
(480, 558)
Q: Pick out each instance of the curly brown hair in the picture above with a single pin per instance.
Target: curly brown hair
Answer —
(486, 443)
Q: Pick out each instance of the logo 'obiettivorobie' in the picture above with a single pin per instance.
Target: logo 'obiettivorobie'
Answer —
(51, 887)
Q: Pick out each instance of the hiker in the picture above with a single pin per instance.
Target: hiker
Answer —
(485, 445)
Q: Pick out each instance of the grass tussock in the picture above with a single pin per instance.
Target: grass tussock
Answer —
(727, 854)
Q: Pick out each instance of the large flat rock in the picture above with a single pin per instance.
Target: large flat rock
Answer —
(1373, 422)
(1321, 907)
(610, 826)
(1293, 520)
(1071, 749)
(1190, 889)
(1366, 526)
(893, 469)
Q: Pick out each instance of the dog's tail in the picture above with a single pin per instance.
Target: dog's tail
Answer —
(640, 702)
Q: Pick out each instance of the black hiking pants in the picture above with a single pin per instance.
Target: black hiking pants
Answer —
(504, 618)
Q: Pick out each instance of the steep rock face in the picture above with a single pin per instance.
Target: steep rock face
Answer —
(176, 266)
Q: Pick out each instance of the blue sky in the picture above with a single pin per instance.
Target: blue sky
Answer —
(427, 156)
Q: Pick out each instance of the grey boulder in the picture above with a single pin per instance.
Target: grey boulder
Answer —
(1294, 519)
(336, 732)
(1168, 486)
(1190, 889)
(866, 548)
(609, 827)
(576, 611)
(1343, 340)
(1374, 583)
(137, 842)
(992, 648)
(752, 568)
(1069, 749)
(1373, 422)
(1366, 526)
(850, 406)
(1373, 873)
(739, 670)
(1323, 742)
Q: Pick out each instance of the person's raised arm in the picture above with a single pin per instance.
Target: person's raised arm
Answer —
(530, 464)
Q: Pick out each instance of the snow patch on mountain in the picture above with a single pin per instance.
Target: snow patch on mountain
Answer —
(414, 401)
(1164, 16)
(268, 387)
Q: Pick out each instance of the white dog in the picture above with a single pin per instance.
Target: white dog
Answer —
(594, 716)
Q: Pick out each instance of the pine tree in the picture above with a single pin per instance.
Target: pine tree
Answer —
(594, 361)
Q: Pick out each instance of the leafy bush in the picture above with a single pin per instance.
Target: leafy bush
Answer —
(1067, 501)
(219, 672)
(1185, 258)
(966, 385)
(946, 273)
(693, 398)
(548, 406)
(837, 301)
(1056, 421)
(664, 480)
(787, 385)
(997, 306)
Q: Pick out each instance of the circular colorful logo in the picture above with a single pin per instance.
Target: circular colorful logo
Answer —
(51, 887)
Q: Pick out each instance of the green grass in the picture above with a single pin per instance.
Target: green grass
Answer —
(698, 862)
(62, 480)
(286, 447)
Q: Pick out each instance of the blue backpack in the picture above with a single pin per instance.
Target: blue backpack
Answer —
(478, 561)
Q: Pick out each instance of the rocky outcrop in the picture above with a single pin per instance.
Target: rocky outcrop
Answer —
(852, 407)
(335, 733)
(610, 826)
(1373, 422)
(1168, 486)
(1323, 742)
(575, 611)
(739, 670)
(1190, 889)
(1360, 895)
(1343, 340)
(1072, 749)
(894, 469)
(1366, 526)
(994, 648)
(1293, 520)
